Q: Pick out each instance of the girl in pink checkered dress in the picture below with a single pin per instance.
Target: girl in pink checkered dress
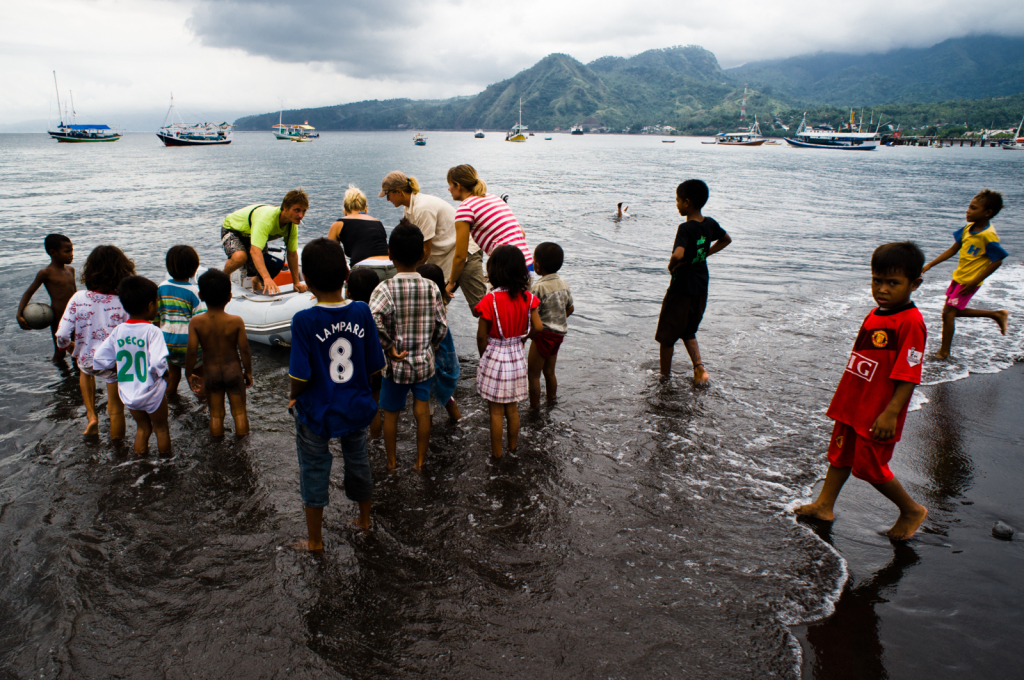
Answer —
(508, 317)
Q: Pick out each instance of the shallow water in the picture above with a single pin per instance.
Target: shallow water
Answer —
(639, 531)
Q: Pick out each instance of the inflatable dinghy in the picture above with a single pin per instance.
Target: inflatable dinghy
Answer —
(268, 318)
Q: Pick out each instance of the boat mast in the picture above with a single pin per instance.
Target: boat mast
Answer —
(74, 114)
(58, 98)
(520, 115)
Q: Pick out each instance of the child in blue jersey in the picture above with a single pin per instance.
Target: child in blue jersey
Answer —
(179, 302)
(335, 351)
(980, 256)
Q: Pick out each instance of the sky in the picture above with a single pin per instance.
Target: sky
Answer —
(222, 59)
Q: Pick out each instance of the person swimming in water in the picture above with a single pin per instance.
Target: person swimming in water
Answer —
(623, 211)
(227, 361)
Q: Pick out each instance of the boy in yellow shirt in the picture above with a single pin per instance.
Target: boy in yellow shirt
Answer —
(980, 256)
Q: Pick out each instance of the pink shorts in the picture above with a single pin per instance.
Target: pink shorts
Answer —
(868, 459)
(957, 295)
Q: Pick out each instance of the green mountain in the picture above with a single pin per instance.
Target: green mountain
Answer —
(959, 68)
(685, 87)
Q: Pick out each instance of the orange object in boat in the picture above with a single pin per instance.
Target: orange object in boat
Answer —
(284, 277)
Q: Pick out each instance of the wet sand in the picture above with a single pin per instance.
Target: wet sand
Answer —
(949, 603)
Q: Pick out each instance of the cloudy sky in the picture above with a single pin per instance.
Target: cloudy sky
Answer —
(224, 58)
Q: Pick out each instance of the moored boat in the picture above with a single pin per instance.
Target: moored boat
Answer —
(1018, 143)
(419, 140)
(176, 132)
(576, 130)
(745, 137)
(73, 132)
(517, 133)
(479, 134)
(294, 133)
(827, 137)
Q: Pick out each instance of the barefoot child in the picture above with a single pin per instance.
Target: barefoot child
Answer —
(687, 295)
(222, 340)
(335, 351)
(359, 287)
(90, 316)
(446, 361)
(870, 404)
(137, 352)
(555, 306)
(980, 257)
(507, 315)
(59, 279)
(179, 302)
(411, 323)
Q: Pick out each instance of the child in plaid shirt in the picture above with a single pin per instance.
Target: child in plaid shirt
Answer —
(411, 322)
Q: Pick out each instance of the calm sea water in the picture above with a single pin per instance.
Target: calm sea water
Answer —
(641, 528)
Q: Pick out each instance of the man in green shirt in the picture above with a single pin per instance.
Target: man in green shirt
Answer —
(246, 232)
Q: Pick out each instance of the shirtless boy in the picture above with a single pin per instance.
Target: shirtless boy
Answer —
(59, 279)
(222, 339)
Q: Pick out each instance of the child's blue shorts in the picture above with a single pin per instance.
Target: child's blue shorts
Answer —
(392, 394)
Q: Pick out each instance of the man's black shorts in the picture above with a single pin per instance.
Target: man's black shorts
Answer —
(680, 317)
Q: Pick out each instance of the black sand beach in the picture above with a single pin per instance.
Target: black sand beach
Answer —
(947, 604)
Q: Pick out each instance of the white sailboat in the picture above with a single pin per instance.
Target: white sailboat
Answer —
(1016, 144)
(176, 132)
(516, 134)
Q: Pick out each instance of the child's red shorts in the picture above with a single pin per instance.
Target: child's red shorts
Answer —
(869, 459)
(548, 342)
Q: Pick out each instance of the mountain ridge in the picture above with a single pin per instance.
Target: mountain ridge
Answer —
(685, 87)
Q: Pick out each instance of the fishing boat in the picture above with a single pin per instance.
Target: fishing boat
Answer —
(576, 130)
(516, 134)
(419, 140)
(547, 139)
(1018, 143)
(176, 132)
(294, 133)
(73, 132)
(479, 134)
(827, 137)
(749, 137)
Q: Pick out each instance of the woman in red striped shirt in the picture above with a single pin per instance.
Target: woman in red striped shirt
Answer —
(484, 216)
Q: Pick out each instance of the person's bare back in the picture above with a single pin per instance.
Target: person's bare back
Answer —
(227, 364)
(58, 278)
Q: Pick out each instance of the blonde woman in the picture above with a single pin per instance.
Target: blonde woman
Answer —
(362, 236)
(484, 217)
(435, 217)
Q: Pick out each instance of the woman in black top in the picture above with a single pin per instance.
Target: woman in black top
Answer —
(363, 237)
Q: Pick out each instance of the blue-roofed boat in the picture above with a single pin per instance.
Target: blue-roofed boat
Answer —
(826, 137)
(74, 132)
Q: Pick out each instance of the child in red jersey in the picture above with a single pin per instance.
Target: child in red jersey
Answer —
(870, 404)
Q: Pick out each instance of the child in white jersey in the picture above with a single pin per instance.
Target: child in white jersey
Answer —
(137, 351)
(88, 319)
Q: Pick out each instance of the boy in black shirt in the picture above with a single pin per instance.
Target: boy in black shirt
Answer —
(687, 295)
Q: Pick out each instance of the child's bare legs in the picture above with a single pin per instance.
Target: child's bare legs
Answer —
(238, 413)
(314, 527)
(497, 421)
(453, 410)
(912, 514)
(665, 356)
(147, 424)
(143, 429)
(115, 409)
(512, 416)
(550, 381)
(377, 425)
(949, 316)
(58, 353)
(173, 379)
(824, 507)
(700, 376)
(217, 412)
(534, 367)
(391, 436)
(87, 383)
(421, 409)
(364, 516)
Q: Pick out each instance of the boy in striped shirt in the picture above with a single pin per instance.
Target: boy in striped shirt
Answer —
(178, 303)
